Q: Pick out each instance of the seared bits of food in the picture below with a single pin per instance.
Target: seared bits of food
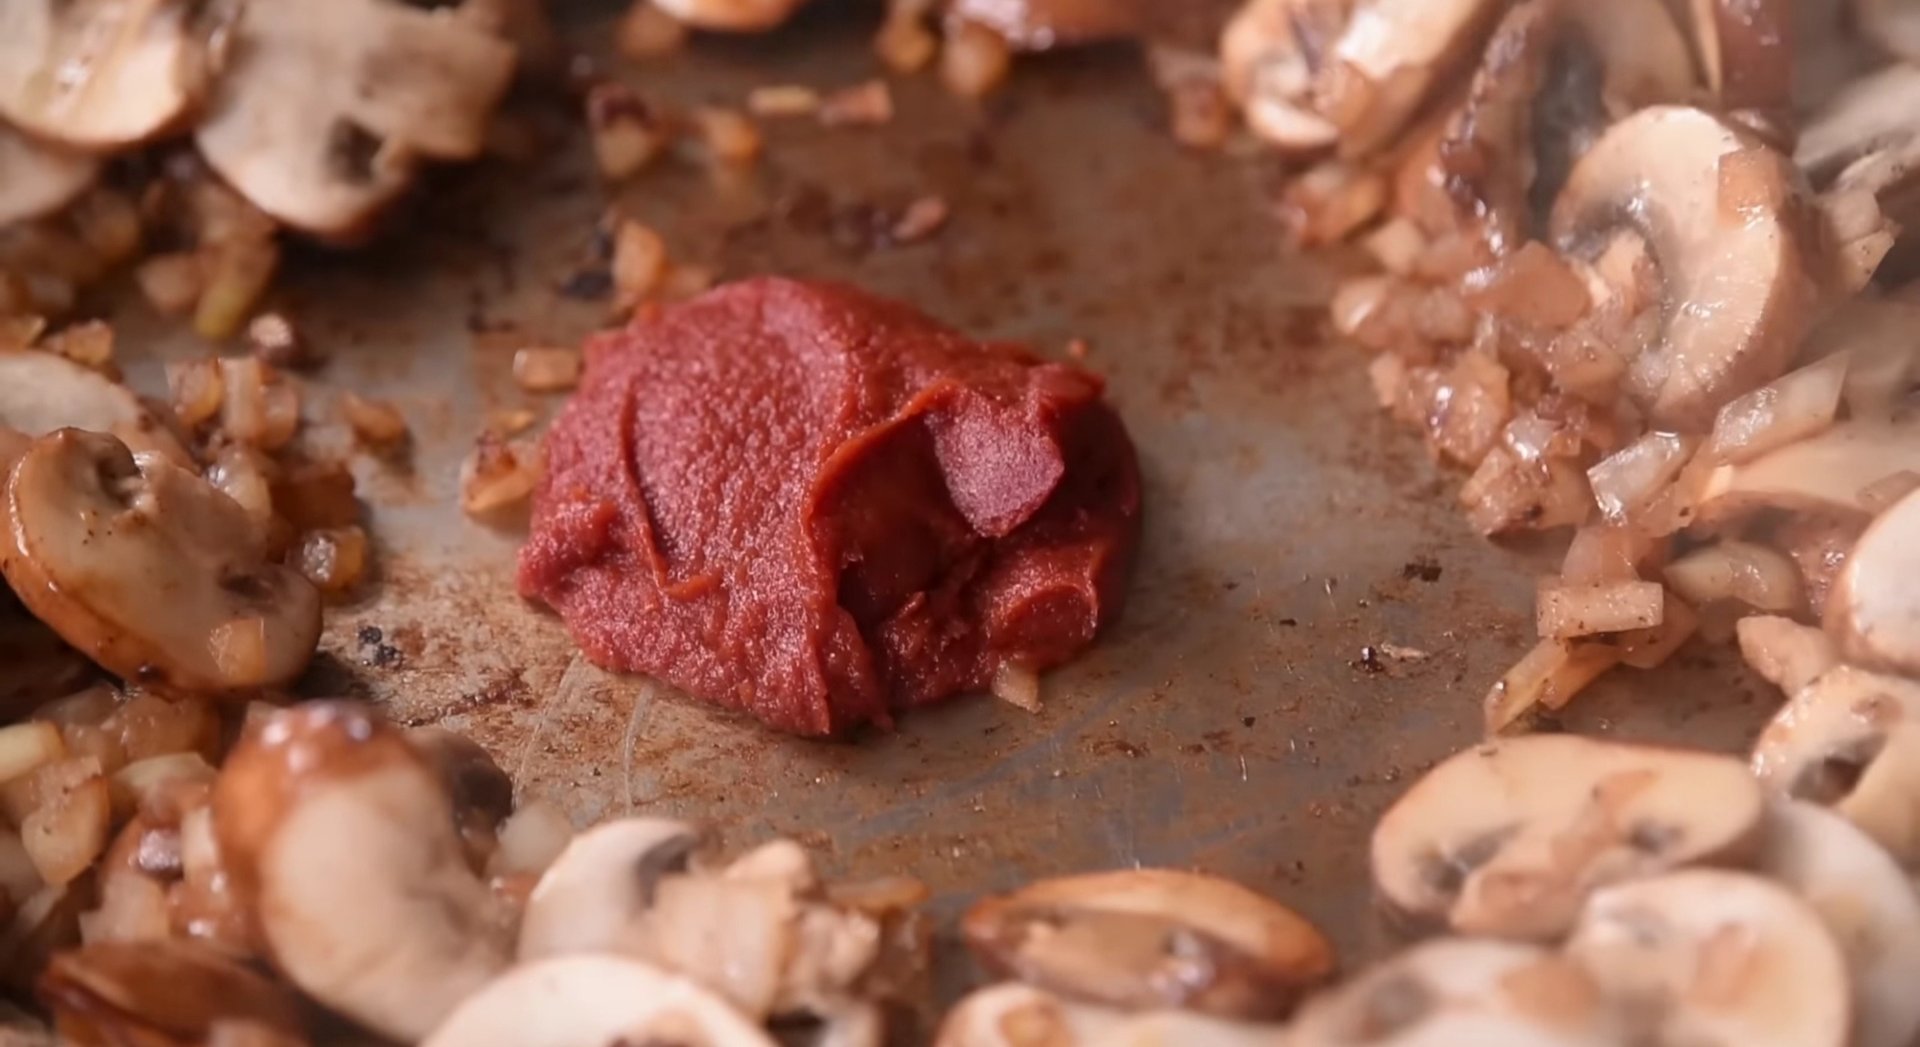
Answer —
(821, 507)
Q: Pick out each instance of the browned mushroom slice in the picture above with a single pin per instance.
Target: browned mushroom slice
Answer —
(105, 74)
(1874, 610)
(1038, 25)
(36, 179)
(1745, 48)
(163, 992)
(1716, 211)
(731, 16)
(1713, 956)
(1015, 1015)
(1312, 74)
(41, 392)
(1152, 939)
(607, 876)
(1462, 991)
(327, 108)
(1552, 78)
(340, 835)
(1510, 837)
(591, 1001)
(1850, 740)
(150, 571)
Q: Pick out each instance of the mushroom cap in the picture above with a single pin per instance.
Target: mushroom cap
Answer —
(150, 571)
(1715, 208)
(1265, 69)
(1456, 991)
(1509, 838)
(1868, 905)
(1874, 609)
(1016, 1015)
(1714, 956)
(593, 1000)
(124, 992)
(592, 896)
(1850, 740)
(42, 391)
(1040, 25)
(1836, 471)
(102, 75)
(37, 180)
(326, 107)
(340, 836)
(1152, 938)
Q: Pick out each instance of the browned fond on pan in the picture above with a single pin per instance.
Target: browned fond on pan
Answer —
(1312, 623)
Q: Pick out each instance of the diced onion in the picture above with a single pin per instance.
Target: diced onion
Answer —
(334, 559)
(1651, 647)
(1548, 675)
(648, 32)
(975, 61)
(376, 423)
(530, 839)
(1601, 553)
(1017, 685)
(1793, 407)
(25, 747)
(68, 830)
(497, 475)
(1533, 285)
(1761, 578)
(1628, 479)
(868, 104)
(1563, 610)
(546, 369)
(626, 133)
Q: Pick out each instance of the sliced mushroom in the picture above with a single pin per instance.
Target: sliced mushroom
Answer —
(763, 932)
(1705, 956)
(1456, 991)
(36, 179)
(326, 108)
(105, 75)
(1312, 74)
(340, 835)
(1745, 48)
(731, 16)
(1839, 471)
(591, 1001)
(1787, 654)
(591, 897)
(1509, 838)
(1868, 905)
(1040, 25)
(1850, 740)
(162, 992)
(482, 793)
(1553, 76)
(41, 392)
(150, 571)
(1874, 609)
(1716, 210)
(1014, 1015)
(1150, 939)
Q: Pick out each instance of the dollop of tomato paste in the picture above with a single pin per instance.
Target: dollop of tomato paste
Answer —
(821, 507)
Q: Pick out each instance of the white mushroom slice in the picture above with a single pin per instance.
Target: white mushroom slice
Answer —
(1787, 654)
(1509, 838)
(1715, 208)
(731, 16)
(1841, 470)
(591, 897)
(1868, 905)
(1708, 956)
(105, 74)
(1850, 740)
(37, 180)
(163, 992)
(1874, 609)
(1039, 25)
(340, 836)
(594, 1001)
(1015, 1015)
(41, 392)
(327, 107)
(1152, 938)
(1310, 75)
(150, 571)
(1456, 991)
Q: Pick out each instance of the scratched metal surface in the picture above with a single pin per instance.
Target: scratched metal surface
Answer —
(1228, 723)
